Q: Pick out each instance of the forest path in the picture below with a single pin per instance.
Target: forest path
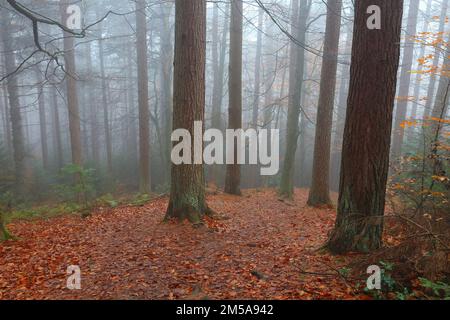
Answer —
(267, 249)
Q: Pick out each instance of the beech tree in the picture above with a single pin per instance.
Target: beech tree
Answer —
(367, 133)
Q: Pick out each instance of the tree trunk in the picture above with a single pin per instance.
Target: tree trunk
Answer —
(144, 112)
(106, 125)
(367, 134)
(405, 79)
(93, 121)
(437, 54)
(57, 131)
(72, 95)
(14, 103)
(336, 153)
(320, 190)
(42, 118)
(296, 74)
(419, 75)
(166, 83)
(187, 195)
(233, 174)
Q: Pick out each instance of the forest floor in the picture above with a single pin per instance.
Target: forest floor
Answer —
(265, 249)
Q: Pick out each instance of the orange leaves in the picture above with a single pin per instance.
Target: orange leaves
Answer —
(128, 253)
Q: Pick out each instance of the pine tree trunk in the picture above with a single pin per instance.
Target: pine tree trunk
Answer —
(144, 112)
(296, 74)
(57, 143)
(42, 118)
(319, 194)
(72, 95)
(187, 193)
(367, 134)
(233, 174)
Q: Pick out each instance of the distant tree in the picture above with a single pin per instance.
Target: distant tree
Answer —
(72, 94)
(299, 17)
(405, 78)
(367, 134)
(320, 189)
(18, 142)
(144, 112)
(233, 173)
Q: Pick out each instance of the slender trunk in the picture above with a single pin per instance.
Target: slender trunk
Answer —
(405, 79)
(101, 53)
(42, 118)
(166, 83)
(57, 131)
(257, 83)
(72, 95)
(233, 174)
(296, 74)
(367, 134)
(320, 189)
(144, 112)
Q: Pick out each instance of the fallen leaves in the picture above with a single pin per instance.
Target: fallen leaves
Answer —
(128, 253)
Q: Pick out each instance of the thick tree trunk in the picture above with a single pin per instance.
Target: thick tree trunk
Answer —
(187, 193)
(233, 174)
(144, 112)
(72, 95)
(405, 79)
(367, 134)
(320, 191)
(14, 103)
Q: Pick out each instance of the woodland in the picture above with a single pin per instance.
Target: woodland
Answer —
(338, 190)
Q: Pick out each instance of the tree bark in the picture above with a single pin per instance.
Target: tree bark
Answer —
(72, 95)
(296, 74)
(187, 193)
(42, 118)
(57, 143)
(106, 125)
(367, 134)
(319, 195)
(233, 174)
(144, 112)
